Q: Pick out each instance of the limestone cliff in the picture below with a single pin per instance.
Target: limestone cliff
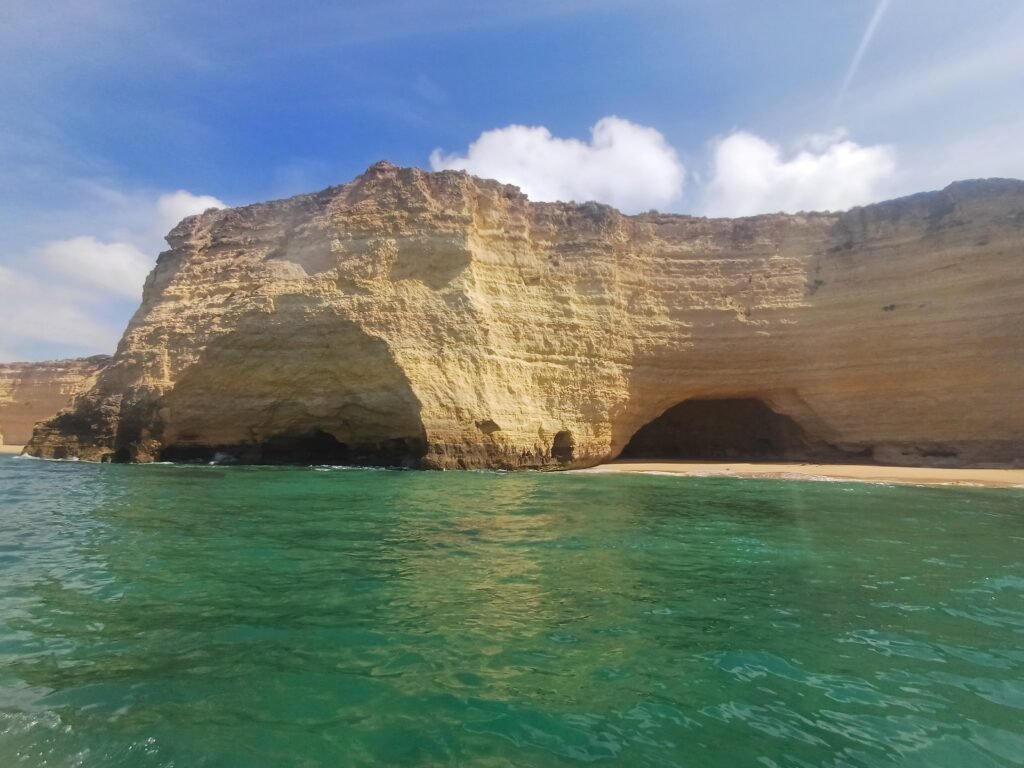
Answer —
(31, 392)
(440, 320)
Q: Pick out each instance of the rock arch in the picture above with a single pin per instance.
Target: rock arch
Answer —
(740, 428)
(280, 391)
(563, 447)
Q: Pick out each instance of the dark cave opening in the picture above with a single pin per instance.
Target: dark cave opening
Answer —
(314, 447)
(563, 447)
(726, 429)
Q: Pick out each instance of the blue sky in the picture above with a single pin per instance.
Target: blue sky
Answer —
(121, 116)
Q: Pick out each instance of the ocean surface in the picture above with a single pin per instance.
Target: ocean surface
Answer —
(230, 616)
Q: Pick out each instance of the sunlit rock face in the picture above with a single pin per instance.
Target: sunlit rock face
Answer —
(32, 392)
(439, 320)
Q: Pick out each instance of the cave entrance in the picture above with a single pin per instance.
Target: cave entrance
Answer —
(302, 448)
(302, 385)
(726, 429)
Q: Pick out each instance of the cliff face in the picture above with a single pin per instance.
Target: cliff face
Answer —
(31, 392)
(441, 320)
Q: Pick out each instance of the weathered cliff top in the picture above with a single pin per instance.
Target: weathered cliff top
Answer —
(384, 182)
(92, 361)
(441, 320)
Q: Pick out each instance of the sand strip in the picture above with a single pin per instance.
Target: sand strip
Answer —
(11, 448)
(997, 478)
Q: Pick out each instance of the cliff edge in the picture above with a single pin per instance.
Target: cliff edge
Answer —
(440, 320)
(32, 392)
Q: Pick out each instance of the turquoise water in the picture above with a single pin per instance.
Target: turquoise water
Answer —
(210, 616)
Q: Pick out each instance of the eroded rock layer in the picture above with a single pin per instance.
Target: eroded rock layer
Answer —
(32, 392)
(439, 320)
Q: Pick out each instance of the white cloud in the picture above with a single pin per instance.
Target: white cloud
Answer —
(634, 168)
(36, 311)
(175, 206)
(624, 164)
(74, 294)
(116, 268)
(750, 175)
(119, 267)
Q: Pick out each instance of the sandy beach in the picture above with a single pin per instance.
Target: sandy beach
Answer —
(11, 448)
(996, 478)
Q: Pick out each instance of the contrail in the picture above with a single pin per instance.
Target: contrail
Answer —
(865, 41)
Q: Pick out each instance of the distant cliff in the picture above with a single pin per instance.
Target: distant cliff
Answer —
(439, 320)
(32, 392)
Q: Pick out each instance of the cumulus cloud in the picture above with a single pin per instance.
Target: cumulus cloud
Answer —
(634, 168)
(72, 296)
(117, 268)
(175, 206)
(624, 164)
(38, 313)
(750, 175)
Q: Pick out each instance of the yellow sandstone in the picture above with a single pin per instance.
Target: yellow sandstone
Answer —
(31, 392)
(440, 320)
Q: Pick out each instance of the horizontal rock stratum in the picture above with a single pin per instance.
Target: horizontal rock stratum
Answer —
(31, 392)
(440, 320)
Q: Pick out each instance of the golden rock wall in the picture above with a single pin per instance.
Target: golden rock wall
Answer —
(441, 320)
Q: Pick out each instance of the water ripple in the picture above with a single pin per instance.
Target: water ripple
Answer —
(238, 616)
